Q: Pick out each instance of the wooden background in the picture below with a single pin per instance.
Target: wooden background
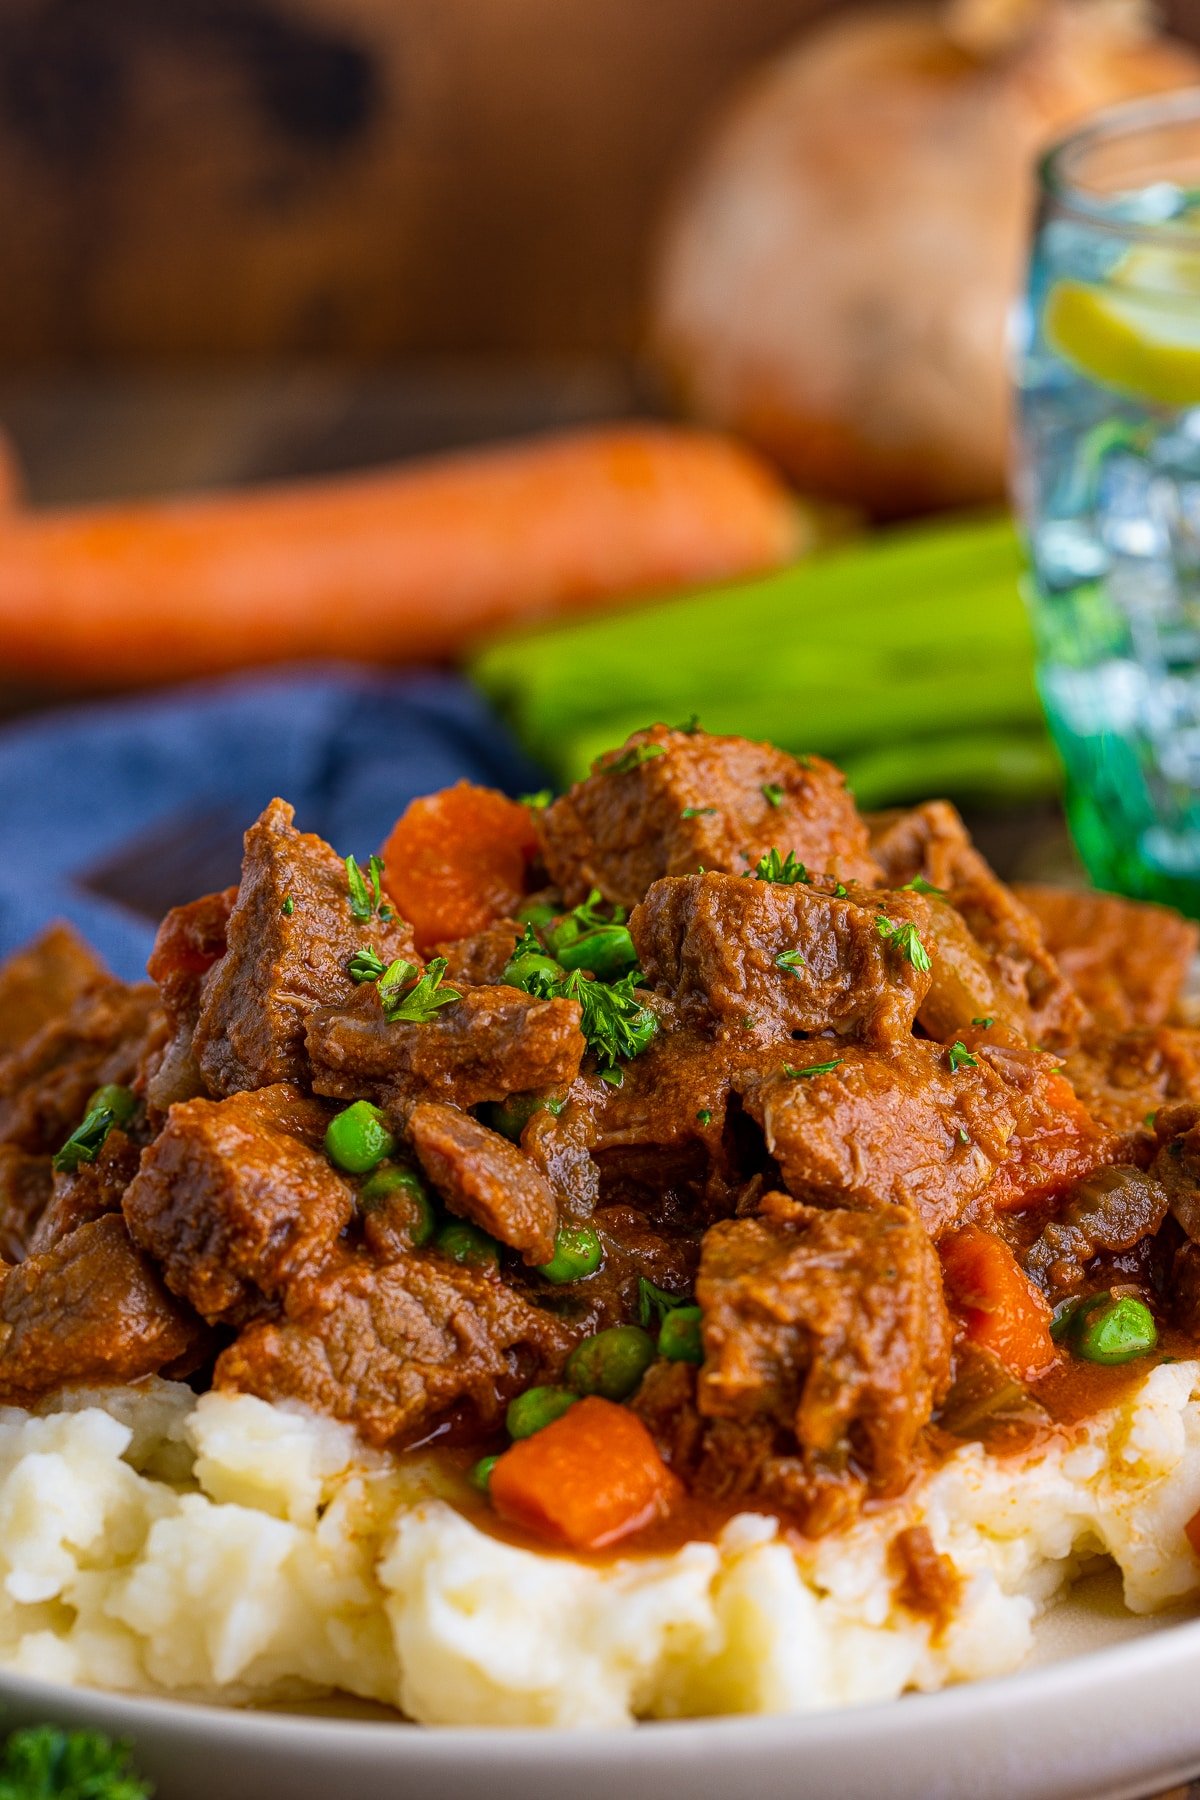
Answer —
(367, 178)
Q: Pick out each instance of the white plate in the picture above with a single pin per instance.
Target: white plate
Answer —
(1108, 1711)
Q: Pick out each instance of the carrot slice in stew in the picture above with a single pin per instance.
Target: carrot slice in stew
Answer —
(456, 861)
(1000, 1308)
(1066, 1145)
(590, 1478)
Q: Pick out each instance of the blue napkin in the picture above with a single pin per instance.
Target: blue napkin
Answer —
(110, 813)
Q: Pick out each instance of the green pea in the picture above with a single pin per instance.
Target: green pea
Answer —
(578, 1253)
(536, 1408)
(606, 951)
(679, 1340)
(612, 1363)
(466, 1244)
(358, 1138)
(519, 970)
(1070, 1314)
(121, 1102)
(1116, 1332)
(480, 1476)
(406, 1195)
(510, 1117)
(536, 912)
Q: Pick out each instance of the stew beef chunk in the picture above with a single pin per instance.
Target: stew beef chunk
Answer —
(786, 1128)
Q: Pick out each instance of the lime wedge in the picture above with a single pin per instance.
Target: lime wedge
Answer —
(1138, 332)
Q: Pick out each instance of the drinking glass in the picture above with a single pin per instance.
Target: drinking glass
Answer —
(1108, 486)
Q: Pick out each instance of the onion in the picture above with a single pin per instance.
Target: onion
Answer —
(834, 278)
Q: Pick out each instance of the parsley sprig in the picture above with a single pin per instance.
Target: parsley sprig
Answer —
(366, 964)
(919, 885)
(107, 1107)
(366, 891)
(615, 1023)
(785, 870)
(903, 936)
(791, 959)
(654, 1303)
(629, 759)
(961, 1058)
(412, 997)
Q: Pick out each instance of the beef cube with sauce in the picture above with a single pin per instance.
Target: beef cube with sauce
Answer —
(86, 1192)
(45, 1085)
(671, 802)
(189, 942)
(42, 982)
(91, 1309)
(26, 1184)
(830, 1324)
(1127, 960)
(394, 1350)
(1123, 1079)
(1108, 1212)
(291, 936)
(932, 843)
(715, 944)
(484, 1178)
(234, 1199)
(493, 1042)
(900, 1129)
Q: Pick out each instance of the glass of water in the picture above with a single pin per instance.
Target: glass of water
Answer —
(1108, 484)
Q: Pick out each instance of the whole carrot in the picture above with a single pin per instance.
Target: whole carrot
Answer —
(416, 561)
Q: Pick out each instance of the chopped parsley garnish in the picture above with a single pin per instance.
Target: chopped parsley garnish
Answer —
(697, 812)
(772, 793)
(631, 758)
(919, 885)
(964, 1134)
(903, 936)
(691, 725)
(704, 1116)
(366, 892)
(782, 869)
(825, 1068)
(961, 1058)
(413, 997)
(288, 907)
(614, 1077)
(539, 801)
(840, 891)
(1149, 1119)
(615, 1024)
(790, 959)
(107, 1107)
(366, 965)
(654, 1303)
(985, 1023)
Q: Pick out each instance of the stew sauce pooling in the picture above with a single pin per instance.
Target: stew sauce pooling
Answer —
(744, 1150)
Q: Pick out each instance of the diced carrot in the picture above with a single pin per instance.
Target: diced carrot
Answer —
(457, 860)
(1191, 1532)
(1000, 1309)
(585, 1481)
(1064, 1144)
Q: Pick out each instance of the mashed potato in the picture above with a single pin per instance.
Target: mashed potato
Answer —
(224, 1549)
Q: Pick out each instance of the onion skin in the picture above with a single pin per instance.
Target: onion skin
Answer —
(834, 279)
